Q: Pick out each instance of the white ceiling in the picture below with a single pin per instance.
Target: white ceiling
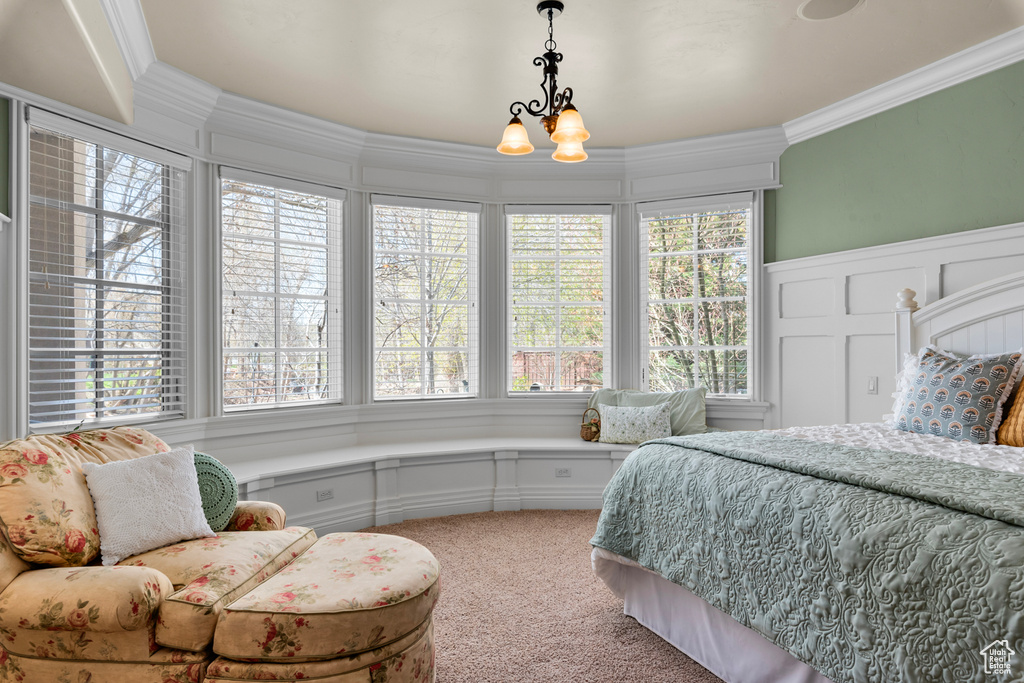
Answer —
(65, 51)
(642, 71)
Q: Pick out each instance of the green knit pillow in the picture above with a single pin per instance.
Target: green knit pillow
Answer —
(218, 489)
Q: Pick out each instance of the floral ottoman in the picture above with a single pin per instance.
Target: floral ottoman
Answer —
(353, 608)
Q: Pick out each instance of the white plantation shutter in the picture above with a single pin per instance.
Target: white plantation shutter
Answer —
(559, 297)
(425, 298)
(106, 277)
(696, 275)
(281, 291)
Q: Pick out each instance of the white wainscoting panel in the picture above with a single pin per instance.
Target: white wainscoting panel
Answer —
(829, 325)
(809, 361)
(865, 352)
(960, 275)
(807, 298)
(868, 293)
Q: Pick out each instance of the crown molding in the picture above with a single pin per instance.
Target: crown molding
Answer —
(171, 107)
(425, 154)
(975, 61)
(234, 114)
(710, 151)
(172, 91)
(128, 24)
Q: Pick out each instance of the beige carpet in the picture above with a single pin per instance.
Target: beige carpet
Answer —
(520, 604)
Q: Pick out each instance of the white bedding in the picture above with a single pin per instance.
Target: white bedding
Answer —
(880, 435)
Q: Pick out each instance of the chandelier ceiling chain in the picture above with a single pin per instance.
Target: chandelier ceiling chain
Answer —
(560, 119)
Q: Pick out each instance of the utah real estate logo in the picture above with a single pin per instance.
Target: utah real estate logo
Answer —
(997, 657)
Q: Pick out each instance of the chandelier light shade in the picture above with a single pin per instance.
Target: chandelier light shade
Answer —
(569, 127)
(569, 152)
(515, 140)
(560, 119)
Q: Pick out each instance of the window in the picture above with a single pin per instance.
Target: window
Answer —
(696, 263)
(105, 283)
(559, 291)
(281, 292)
(425, 298)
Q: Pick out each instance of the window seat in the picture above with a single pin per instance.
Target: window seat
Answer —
(384, 483)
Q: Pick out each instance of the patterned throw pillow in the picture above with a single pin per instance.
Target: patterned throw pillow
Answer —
(634, 424)
(959, 398)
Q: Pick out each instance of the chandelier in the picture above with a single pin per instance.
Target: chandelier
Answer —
(559, 117)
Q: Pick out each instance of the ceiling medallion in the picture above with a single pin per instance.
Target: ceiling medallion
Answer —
(559, 117)
(823, 10)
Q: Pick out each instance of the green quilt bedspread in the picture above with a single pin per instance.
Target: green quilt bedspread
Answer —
(868, 565)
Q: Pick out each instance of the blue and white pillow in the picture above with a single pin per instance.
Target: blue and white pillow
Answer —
(956, 397)
(634, 424)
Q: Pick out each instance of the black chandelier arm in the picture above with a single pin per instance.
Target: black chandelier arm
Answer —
(559, 102)
(535, 108)
(562, 100)
(554, 102)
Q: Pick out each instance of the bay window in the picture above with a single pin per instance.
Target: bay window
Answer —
(106, 335)
(559, 296)
(696, 257)
(425, 298)
(281, 291)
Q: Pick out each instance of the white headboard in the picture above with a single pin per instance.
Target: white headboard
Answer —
(986, 318)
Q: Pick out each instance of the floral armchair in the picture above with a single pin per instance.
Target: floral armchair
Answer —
(152, 616)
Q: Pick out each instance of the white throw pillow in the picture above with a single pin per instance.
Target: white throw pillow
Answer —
(146, 503)
(904, 382)
(633, 424)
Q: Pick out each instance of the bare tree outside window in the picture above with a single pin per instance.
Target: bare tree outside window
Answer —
(280, 295)
(697, 267)
(559, 285)
(424, 302)
(106, 319)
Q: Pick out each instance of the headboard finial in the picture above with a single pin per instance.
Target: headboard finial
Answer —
(905, 300)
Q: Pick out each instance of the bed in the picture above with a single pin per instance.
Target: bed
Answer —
(845, 553)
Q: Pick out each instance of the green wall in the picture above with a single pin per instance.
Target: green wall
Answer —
(945, 163)
(5, 156)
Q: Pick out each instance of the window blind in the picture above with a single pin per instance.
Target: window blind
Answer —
(281, 292)
(425, 299)
(696, 259)
(106, 279)
(559, 298)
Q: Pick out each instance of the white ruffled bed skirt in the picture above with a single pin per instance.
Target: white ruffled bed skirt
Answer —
(718, 642)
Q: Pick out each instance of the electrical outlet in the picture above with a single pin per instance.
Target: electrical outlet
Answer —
(872, 385)
(563, 472)
(324, 494)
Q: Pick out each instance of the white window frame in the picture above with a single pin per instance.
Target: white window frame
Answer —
(174, 292)
(334, 298)
(558, 348)
(753, 202)
(475, 212)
